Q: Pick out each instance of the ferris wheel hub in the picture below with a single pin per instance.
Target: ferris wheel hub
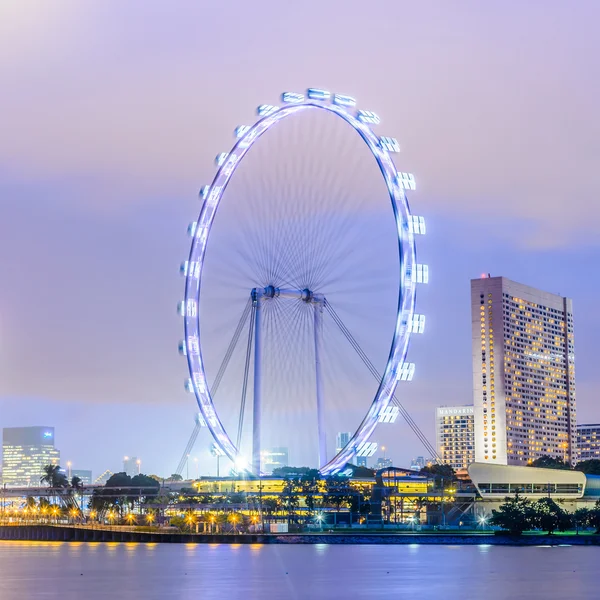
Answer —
(271, 291)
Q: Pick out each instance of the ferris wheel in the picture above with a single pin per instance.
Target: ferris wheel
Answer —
(302, 272)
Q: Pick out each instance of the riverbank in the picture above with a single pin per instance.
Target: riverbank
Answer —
(63, 533)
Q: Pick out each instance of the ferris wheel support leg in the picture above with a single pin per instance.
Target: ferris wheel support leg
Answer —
(318, 333)
(256, 406)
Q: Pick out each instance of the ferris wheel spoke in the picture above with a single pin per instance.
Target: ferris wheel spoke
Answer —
(298, 219)
(245, 380)
(405, 414)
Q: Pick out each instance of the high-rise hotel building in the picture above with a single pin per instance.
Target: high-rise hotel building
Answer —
(455, 435)
(523, 373)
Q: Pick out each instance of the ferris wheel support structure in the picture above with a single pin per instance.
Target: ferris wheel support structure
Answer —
(410, 273)
(259, 296)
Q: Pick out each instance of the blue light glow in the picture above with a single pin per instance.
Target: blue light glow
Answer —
(221, 158)
(204, 191)
(191, 230)
(241, 130)
(389, 414)
(406, 181)
(292, 97)
(264, 110)
(390, 144)
(417, 324)
(407, 371)
(317, 94)
(342, 100)
(369, 117)
(366, 449)
(420, 274)
(416, 225)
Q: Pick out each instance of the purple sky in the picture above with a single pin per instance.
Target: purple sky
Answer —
(111, 114)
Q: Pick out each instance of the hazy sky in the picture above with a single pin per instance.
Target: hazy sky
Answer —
(111, 114)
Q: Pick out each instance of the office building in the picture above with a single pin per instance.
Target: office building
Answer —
(523, 373)
(25, 453)
(274, 458)
(341, 440)
(416, 464)
(84, 475)
(383, 463)
(362, 461)
(455, 435)
(132, 465)
(588, 442)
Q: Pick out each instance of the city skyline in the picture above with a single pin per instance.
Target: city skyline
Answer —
(69, 296)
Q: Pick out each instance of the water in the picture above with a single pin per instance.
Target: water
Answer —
(46, 570)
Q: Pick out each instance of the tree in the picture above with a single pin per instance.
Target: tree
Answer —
(309, 486)
(589, 467)
(594, 517)
(289, 498)
(76, 482)
(54, 477)
(515, 515)
(549, 462)
(581, 518)
(175, 477)
(338, 492)
(549, 516)
(295, 472)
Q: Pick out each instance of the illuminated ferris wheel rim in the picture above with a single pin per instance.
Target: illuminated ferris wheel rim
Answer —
(410, 273)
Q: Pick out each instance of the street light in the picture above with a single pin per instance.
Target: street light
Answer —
(139, 465)
(69, 469)
(150, 518)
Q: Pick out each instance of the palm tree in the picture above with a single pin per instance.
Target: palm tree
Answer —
(54, 477)
(51, 475)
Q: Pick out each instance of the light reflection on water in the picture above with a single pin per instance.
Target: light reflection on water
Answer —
(36, 570)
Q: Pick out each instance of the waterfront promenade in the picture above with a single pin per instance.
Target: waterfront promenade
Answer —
(74, 533)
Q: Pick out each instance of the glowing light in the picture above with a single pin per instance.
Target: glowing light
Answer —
(407, 371)
(264, 110)
(390, 144)
(317, 94)
(342, 100)
(241, 463)
(191, 230)
(241, 130)
(416, 225)
(221, 158)
(182, 349)
(417, 324)
(388, 415)
(406, 180)
(292, 97)
(204, 191)
(366, 449)
(187, 308)
(419, 274)
(369, 117)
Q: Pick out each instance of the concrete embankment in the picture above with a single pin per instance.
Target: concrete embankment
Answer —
(90, 534)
